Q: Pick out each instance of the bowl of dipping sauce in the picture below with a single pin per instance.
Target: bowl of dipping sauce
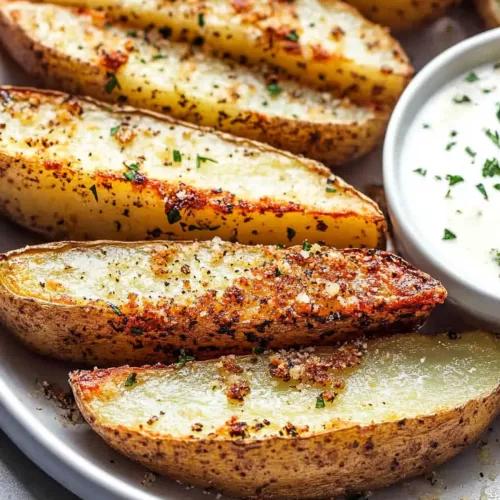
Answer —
(442, 173)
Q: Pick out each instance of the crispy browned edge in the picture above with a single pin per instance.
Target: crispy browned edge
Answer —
(93, 335)
(321, 465)
(489, 14)
(292, 135)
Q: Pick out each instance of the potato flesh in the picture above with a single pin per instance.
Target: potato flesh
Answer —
(84, 142)
(399, 377)
(174, 73)
(312, 20)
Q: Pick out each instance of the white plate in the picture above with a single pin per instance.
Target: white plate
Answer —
(78, 459)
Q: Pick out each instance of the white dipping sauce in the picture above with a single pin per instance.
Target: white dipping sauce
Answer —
(450, 167)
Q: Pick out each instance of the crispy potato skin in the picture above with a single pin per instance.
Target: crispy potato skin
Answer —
(329, 142)
(400, 15)
(260, 31)
(489, 10)
(128, 210)
(92, 333)
(322, 465)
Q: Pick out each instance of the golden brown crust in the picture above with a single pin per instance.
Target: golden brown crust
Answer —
(350, 458)
(489, 10)
(333, 143)
(271, 309)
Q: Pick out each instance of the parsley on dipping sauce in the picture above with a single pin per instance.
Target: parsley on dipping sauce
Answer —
(448, 235)
(421, 171)
(495, 138)
(454, 179)
(471, 77)
(470, 152)
(491, 168)
(482, 190)
(461, 100)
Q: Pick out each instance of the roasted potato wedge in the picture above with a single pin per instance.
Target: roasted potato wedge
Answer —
(489, 10)
(309, 424)
(323, 43)
(76, 51)
(75, 168)
(402, 14)
(111, 303)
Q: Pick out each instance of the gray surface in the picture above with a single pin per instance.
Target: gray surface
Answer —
(21, 479)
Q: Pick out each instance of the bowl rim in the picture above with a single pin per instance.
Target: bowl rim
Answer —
(396, 130)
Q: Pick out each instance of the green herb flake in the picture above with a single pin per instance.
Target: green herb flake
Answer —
(495, 138)
(93, 190)
(131, 174)
(438, 178)
(454, 179)
(112, 83)
(177, 156)
(136, 331)
(450, 145)
(471, 153)
(320, 402)
(331, 190)
(115, 309)
(132, 33)
(495, 254)
(258, 350)
(183, 359)
(173, 216)
(453, 133)
(114, 130)
(277, 273)
(157, 56)
(426, 125)
(497, 186)
(421, 171)
(482, 190)
(462, 100)
(201, 19)
(306, 246)
(203, 159)
(448, 235)
(274, 89)
(131, 380)
(448, 194)
(292, 36)
(471, 77)
(491, 168)
(290, 233)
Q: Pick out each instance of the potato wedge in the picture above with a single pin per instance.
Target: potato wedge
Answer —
(111, 303)
(301, 425)
(402, 15)
(489, 10)
(78, 52)
(75, 168)
(326, 44)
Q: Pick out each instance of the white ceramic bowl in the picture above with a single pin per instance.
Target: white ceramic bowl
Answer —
(465, 293)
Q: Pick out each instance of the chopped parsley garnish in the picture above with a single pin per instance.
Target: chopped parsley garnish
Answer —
(496, 255)
(274, 89)
(290, 233)
(497, 186)
(471, 77)
(115, 309)
(112, 83)
(453, 133)
(280, 245)
(320, 402)
(482, 190)
(292, 36)
(132, 33)
(426, 125)
(448, 194)
(306, 246)
(448, 235)
(331, 190)
(183, 359)
(257, 350)
(487, 91)
(201, 19)
(202, 159)
(491, 168)
(461, 100)
(454, 179)
(421, 171)
(93, 190)
(438, 178)
(131, 380)
(114, 130)
(157, 56)
(493, 136)
(450, 145)
(173, 216)
(498, 113)
(470, 152)
(131, 175)
(177, 156)
(277, 273)
(165, 32)
(136, 331)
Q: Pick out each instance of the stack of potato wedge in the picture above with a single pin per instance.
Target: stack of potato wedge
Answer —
(258, 273)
